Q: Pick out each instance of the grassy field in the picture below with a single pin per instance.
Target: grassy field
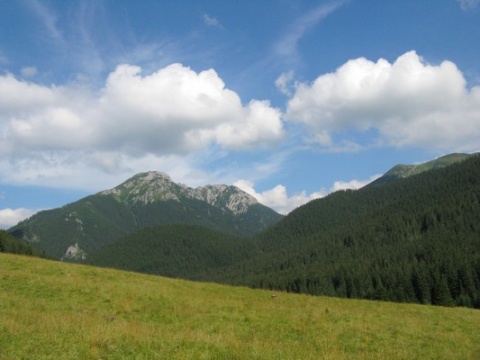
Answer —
(52, 310)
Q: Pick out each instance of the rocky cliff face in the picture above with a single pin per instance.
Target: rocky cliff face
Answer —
(146, 188)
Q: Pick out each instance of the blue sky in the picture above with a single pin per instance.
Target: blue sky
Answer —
(289, 100)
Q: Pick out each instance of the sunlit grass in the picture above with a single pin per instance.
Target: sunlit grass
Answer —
(51, 310)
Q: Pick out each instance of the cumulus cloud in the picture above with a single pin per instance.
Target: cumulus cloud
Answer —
(178, 110)
(19, 97)
(278, 199)
(11, 217)
(174, 111)
(408, 103)
(352, 184)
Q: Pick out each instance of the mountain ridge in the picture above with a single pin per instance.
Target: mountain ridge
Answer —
(147, 187)
(401, 171)
(146, 199)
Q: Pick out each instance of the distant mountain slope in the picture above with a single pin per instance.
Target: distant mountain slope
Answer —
(174, 250)
(416, 239)
(147, 199)
(404, 171)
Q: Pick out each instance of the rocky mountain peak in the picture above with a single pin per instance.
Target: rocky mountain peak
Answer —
(145, 188)
(148, 187)
(226, 197)
(150, 178)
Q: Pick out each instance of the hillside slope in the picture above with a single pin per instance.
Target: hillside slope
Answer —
(403, 171)
(174, 250)
(414, 240)
(54, 310)
(147, 199)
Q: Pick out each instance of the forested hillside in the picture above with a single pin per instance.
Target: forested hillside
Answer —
(413, 240)
(174, 250)
(9, 244)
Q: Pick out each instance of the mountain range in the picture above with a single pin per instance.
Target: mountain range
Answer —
(147, 199)
(411, 236)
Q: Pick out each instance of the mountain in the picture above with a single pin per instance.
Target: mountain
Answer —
(416, 239)
(403, 171)
(147, 199)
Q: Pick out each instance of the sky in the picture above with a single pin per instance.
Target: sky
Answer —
(289, 100)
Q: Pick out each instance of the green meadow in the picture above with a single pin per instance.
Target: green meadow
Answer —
(54, 310)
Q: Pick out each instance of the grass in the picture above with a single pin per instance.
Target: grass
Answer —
(52, 310)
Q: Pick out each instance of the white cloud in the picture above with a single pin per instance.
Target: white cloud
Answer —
(286, 47)
(211, 21)
(29, 71)
(93, 171)
(11, 217)
(50, 132)
(284, 83)
(408, 103)
(19, 97)
(176, 110)
(352, 184)
(278, 199)
(47, 18)
(468, 4)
